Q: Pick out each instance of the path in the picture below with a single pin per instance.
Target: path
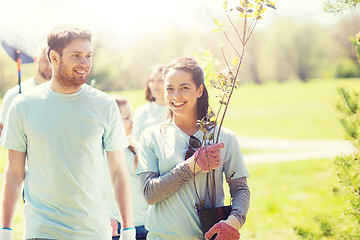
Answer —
(280, 150)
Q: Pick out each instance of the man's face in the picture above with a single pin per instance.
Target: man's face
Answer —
(44, 67)
(75, 63)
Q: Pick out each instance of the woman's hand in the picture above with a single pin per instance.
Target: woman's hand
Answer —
(224, 232)
(205, 158)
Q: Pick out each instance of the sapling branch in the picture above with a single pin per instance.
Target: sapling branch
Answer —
(228, 79)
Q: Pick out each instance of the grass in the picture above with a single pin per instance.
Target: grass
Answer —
(292, 110)
(289, 195)
(283, 196)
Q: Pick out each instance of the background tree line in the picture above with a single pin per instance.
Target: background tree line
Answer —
(285, 50)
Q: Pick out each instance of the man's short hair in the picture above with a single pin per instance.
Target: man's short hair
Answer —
(63, 35)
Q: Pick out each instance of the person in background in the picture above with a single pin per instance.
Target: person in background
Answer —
(171, 156)
(155, 111)
(65, 128)
(43, 74)
(139, 204)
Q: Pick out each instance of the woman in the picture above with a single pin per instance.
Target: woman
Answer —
(155, 111)
(139, 204)
(168, 180)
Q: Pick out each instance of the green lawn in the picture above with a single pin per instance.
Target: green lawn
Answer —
(292, 110)
(289, 195)
(283, 195)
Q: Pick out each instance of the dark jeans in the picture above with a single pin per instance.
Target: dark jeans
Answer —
(141, 233)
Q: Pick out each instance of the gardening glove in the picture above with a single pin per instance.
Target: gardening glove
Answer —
(5, 234)
(224, 232)
(115, 227)
(127, 234)
(208, 157)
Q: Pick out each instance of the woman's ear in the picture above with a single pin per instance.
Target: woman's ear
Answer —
(200, 91)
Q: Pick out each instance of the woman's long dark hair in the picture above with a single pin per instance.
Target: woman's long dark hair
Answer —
(155, 69)
(191, 66)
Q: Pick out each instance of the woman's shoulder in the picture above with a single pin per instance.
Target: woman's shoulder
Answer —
(143, 108)
(224, 131)
(158, 130)
(226, 135)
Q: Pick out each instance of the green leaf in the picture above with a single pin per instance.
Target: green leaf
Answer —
(217, 23)
(211, 137)
(225, 5)
(249, 10)
(235, 61)
(216, 30)
(250, 5)
(270, 4)
(240, 9)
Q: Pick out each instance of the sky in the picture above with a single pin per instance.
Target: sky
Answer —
(29, 21)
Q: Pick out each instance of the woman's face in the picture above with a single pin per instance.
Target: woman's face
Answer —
(181, 93)
(125, 112)
(156, 86)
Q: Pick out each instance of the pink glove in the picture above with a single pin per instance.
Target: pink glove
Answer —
(224, 232)
(208, 157)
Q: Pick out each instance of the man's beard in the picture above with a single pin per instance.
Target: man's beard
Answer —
(67, 80)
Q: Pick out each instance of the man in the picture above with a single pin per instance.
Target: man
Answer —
(64, 136)
(43, 74)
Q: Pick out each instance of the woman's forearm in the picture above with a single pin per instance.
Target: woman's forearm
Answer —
(240, 194)
(157, 188)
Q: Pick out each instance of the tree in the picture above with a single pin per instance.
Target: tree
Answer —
(338, 6)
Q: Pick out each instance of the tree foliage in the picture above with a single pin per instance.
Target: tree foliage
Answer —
(338, 6)
(347, 167)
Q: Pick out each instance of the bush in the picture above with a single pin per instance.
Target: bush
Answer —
(347, 68)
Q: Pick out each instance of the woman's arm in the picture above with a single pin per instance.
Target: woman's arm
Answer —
(157, 188)
(240, 194)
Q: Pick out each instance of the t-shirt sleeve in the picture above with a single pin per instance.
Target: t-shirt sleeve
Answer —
(114, 137)
(13, 135)
(234, 166)
(136, 132)
(5, 105)
(148, 161)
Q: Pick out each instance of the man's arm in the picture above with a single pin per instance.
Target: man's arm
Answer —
(120, 180)
(1, 128)
(14, 175)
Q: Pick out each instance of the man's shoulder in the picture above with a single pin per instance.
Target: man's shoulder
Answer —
(97, 94)
(14, 91)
